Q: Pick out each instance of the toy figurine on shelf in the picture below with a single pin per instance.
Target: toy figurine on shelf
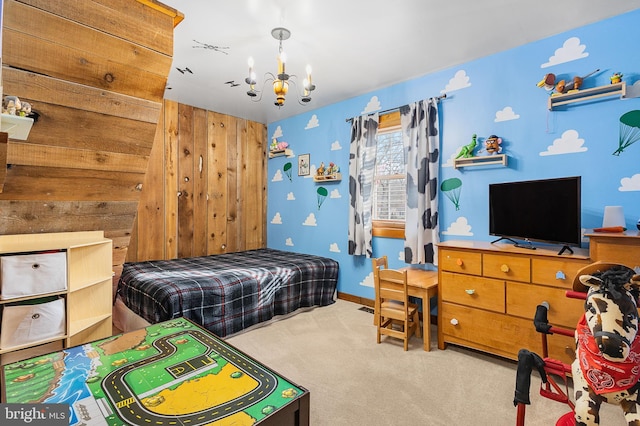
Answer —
(332, 170)
(616, 78)
(320, 170)
(278, 146)
(467, 150)
(492, 145)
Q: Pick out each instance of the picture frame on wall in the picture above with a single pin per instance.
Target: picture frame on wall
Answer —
(304, 164)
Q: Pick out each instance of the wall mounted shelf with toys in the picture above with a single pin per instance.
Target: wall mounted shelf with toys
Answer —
(328, 178)
(583, 95)
(330, 173)
(278, 149)
(280, 152)
(500, 159)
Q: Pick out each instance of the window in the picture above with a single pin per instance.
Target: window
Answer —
(389, 180)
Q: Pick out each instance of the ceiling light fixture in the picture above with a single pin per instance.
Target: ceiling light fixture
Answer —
(282, 79)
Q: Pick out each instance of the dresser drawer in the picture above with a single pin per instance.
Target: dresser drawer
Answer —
(522, 300)
(484, 330)
(556, 272)
(476, 292)
(506, 267)
(460, 261)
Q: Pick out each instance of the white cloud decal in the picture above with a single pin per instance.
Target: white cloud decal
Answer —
(459, 81)
(277, 133)
(277, 219)
(401, 255)
(334, 247)
(571, 50)
(313, 122)
(277, 177)
(289, 242)
(568, 143)
(368, 280)
(630, 184)
(291, 197)
(335, 194)
(506, 114)
(372, 106)
(460, 227)
(449, 162)
(336, 146)
(310, 220)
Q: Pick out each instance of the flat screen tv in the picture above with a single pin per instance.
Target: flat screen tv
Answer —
(546, 210)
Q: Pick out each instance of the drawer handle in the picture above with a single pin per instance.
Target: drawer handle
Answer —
(560, 275)
(35, 266)
(454, 321)
(504, 268)
(470, 291)
(459, 262)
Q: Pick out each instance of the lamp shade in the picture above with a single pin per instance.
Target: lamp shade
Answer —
(613, 216)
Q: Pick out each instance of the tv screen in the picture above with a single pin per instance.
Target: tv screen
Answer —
(545, 210)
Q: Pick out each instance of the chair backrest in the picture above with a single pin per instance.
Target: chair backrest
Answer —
(391, 285)
(380, 262)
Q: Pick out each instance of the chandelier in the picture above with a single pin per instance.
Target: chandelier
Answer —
(281, 80)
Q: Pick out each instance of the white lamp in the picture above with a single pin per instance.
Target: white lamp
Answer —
(613, 216)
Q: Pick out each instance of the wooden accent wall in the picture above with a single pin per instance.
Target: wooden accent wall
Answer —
(205, 188)
(95, 71)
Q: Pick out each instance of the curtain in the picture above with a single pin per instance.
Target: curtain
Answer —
(362, 154)
(421, 137)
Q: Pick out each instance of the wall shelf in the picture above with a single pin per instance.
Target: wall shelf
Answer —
(280, 152)
(618, 89)
(500, 159)
(328, 178)
(16, 126)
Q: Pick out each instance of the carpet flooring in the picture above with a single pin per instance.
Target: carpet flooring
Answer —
(332, 351)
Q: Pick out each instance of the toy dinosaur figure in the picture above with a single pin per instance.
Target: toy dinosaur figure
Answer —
(467, 150)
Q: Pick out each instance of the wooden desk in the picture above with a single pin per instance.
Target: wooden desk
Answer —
(424, 285)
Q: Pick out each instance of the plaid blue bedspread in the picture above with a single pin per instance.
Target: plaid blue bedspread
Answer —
(227, 293)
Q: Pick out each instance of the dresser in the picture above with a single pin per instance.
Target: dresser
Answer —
(488, 296)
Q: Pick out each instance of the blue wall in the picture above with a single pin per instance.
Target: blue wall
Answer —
(493, 95)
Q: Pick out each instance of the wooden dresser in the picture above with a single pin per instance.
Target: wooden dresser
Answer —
(488, 296)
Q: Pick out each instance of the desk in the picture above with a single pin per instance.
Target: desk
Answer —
(172, 372)
(424, 285)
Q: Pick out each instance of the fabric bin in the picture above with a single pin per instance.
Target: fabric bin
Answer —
(31, 322)
(32, 274)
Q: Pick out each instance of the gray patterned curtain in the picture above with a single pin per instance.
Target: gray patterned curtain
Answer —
(362, 160)
(422, 150)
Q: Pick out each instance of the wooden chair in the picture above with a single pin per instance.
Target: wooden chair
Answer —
(383, 264)
(394, 307)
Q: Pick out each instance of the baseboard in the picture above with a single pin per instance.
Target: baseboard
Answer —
(433, 319)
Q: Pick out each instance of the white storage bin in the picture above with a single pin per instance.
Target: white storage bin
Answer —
(32, 274)
(25, 324)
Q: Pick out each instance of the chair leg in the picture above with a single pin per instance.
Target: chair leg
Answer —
(416, 319)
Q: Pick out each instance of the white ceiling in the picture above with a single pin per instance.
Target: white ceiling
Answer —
(353, 46)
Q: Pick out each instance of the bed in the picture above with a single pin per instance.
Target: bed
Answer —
(224, 293)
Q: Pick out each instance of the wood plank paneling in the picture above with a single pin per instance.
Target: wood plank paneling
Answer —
(185, 181)
(217, 182)
(95, 71)
(200, 173)
(221, 205)
(78, 53)
(170, 186)
(134, 21)
(150, 235)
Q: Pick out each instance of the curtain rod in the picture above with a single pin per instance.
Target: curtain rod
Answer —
(437, 98)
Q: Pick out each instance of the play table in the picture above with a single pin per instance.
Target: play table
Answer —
(170, 373)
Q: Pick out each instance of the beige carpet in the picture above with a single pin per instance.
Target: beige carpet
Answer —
(332, 351)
